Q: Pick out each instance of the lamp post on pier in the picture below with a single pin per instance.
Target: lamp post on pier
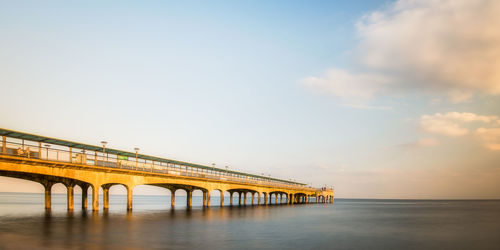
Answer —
(47, 146)
(104, 151)
(136, 158)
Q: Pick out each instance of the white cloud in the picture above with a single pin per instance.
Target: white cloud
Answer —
(447, 46)
(340, 83)
(421, 143)
(452, 124)
(490, 138)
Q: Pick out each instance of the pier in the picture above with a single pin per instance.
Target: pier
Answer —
(49, 161)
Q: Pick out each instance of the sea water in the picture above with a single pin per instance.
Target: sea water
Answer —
(153, 224)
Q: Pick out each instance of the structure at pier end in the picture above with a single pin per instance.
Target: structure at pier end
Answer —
(49, 161)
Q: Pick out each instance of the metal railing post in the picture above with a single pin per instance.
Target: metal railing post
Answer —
(4, 144)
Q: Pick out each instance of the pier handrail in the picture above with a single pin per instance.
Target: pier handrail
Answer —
(28, 145)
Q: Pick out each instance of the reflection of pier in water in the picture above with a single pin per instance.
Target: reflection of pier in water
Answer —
(50, 161)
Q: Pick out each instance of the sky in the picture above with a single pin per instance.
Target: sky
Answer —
(380, 99)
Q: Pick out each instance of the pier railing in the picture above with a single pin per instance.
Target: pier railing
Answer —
(53, 152)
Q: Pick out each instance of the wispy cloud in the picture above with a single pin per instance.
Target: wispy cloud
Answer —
(420, 143)
(454, 124)
(451, 47)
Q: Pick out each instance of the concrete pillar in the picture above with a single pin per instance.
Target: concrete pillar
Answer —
(221, 198)
(85, 195)
(245, 198)
(253, 198)
(172, 197)
(189, 198)
(265, 198)
(208, 198)
(281, 198)
(70, 196)
(292, 198)
(205, 198)
(231, 198)
(48, 195)
(258, 199)
(95, 197)
(105, 196)
(239, 198)
(130, 191)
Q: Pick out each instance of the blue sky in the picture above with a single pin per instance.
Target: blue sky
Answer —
(247, 85)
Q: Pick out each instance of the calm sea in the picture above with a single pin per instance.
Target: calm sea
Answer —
(346, 224)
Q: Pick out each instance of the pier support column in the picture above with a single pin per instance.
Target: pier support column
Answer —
(205, 194)
(130, 191)
(245, 199)
(239, 198)
(48, 194)
(208, 198)
(70, 196)
(221, 198)
(281, 198)
(189, 198)
(258, 199)
(95, 197)
(172, 197)
(105, 196)
(292, 199)
(253, 198)
(230, 198)
(265, 198)
(85, 195)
